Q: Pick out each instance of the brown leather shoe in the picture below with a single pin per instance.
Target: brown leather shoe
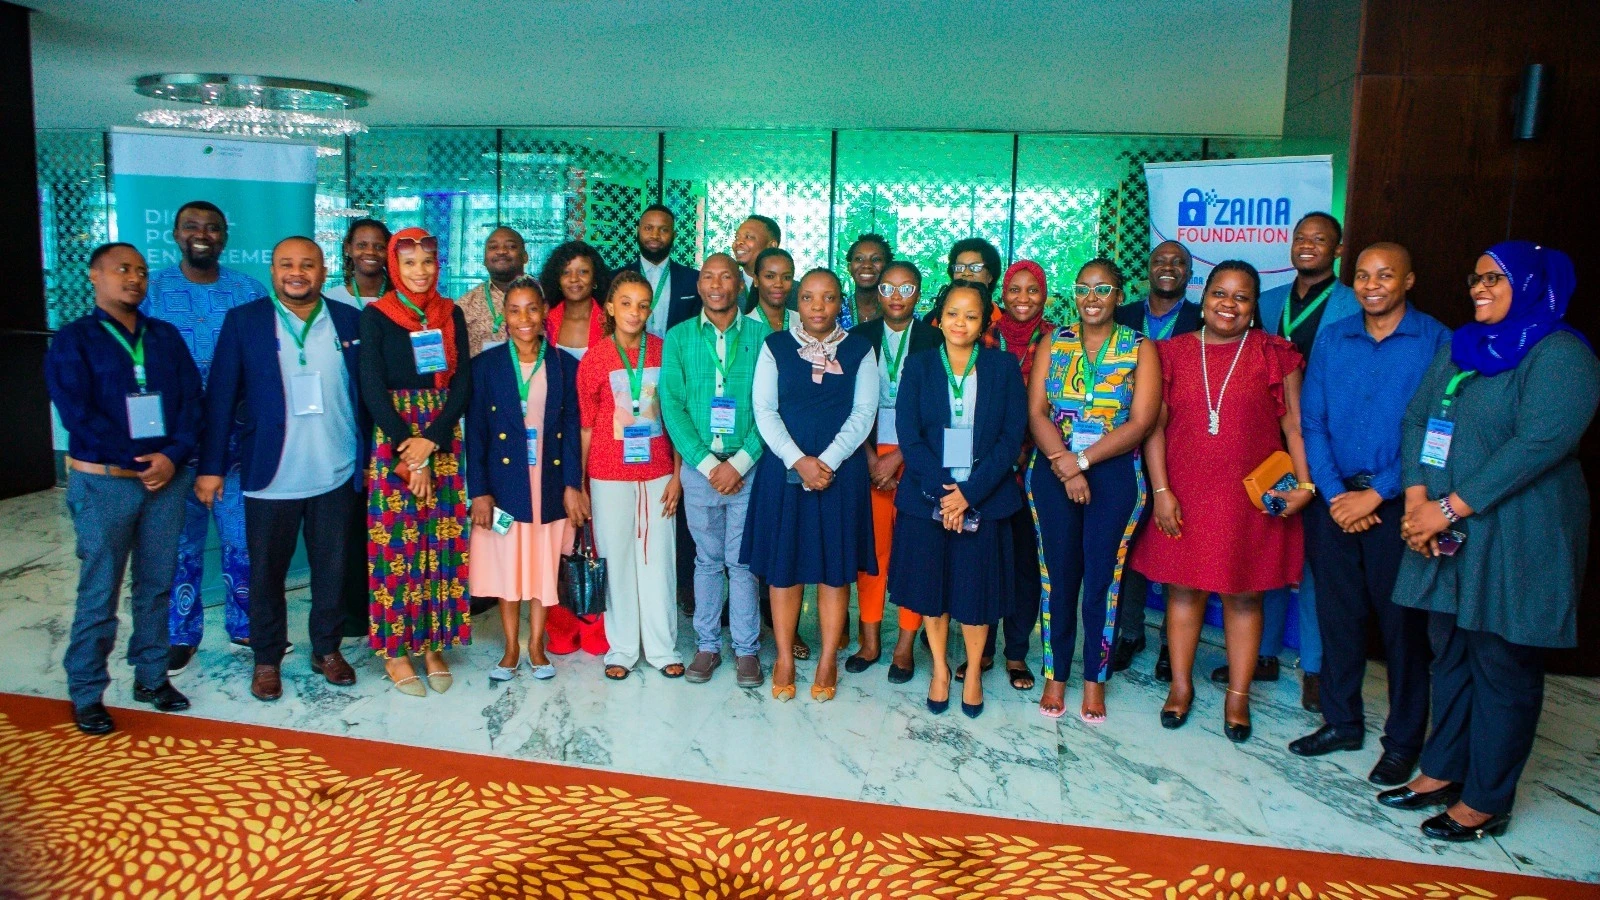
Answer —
(334, 668)
(265, 685)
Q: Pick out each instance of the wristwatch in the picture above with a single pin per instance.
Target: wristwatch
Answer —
(1083, 462)
(1307, 486)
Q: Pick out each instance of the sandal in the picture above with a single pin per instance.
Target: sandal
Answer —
(440, 681)
(673, 670)
(1021, 678)
(411, 687)
(961, 670)
(616, 673)
(802, 650)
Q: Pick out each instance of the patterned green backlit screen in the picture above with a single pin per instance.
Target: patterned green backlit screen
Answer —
(1057, 199)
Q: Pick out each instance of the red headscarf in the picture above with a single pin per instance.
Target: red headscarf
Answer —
(437, 308)
(1020, 336)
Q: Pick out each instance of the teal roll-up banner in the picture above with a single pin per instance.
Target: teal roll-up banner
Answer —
(266, 188)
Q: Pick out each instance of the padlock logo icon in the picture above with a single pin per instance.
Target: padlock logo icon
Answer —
(1192, 208)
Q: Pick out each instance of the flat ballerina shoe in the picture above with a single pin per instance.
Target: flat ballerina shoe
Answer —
(440, 681)
(499, 674)
(411, 687)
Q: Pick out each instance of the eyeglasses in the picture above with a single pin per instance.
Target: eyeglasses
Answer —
(429, 243)
(967, 268)
(1081, 291)
(888, 290)
(1487, 279)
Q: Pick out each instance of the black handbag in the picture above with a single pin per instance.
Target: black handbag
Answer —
(582, 582)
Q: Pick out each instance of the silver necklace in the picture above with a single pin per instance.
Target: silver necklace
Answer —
(1214, 413)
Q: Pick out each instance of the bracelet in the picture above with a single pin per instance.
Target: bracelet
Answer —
(1448, 510)
(1160, 490)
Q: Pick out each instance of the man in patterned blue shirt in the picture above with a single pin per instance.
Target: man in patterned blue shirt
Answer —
(194, 296)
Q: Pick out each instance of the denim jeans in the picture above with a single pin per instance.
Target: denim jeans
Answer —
(717, 523)
(1275, 609)
(115, 519)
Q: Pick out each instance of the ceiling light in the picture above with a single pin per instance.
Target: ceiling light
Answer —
(258, 91)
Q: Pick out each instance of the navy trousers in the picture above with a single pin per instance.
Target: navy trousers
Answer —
(1355, 580)
(1083, 546)
(1487, 693)
(1024, 617)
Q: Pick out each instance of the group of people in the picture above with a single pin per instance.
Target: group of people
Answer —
(726, 437)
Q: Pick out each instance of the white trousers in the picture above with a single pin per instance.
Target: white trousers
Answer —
(639, 545)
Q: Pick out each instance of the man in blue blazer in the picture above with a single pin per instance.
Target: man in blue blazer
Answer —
(677, 299)
(1297, 311)
(288, 365)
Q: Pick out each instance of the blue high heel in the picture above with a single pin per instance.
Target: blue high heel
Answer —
(973, 710)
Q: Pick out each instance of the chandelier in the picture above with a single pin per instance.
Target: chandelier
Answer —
(253, 106)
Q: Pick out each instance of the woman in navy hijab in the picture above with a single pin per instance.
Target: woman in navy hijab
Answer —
(1497, 513)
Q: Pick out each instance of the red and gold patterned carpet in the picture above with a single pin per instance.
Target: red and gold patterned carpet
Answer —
(174, 806)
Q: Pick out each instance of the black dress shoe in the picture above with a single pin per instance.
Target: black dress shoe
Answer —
(1122, 656)
(1164, 665)
(1405, 798)
(898, 675)
(1266, 670)
(93, 719)
(1236, 733)
(1394, 767)
(165, 698)
(1311, 692)
(1325, 740)
(1171, 718)
(1444, 828)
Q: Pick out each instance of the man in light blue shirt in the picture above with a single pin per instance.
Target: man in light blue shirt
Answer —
(194, 295)
(1361, 378)
(289, 366)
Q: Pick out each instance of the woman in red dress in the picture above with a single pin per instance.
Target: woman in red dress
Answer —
(1223, 413)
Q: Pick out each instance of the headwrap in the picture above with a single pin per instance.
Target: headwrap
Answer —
(438, 309)
(1542, 280)
(820, 353)
(1020, 336)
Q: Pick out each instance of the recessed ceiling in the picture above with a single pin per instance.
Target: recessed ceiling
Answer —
(1131, 66)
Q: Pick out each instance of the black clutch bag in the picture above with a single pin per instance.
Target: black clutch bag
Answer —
(582, 582)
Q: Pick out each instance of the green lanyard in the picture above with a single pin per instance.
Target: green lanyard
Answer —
(1172, 320)
(421, 316)
(1289, 325)
(524, 383)
(305, 331)
(958, 387)
(723, 368)
(355, 289)
(495, 312)
(1451, 388)
(898, 359)
(135, 352)
(1091, 374)
(1032, 341)
(635, 374)
(662, 283)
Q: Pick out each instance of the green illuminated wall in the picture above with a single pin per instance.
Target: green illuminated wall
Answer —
(1057, 199)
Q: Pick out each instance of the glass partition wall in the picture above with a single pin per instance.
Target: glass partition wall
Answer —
(1058, 199)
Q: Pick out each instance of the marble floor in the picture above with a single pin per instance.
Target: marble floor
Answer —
(875, 743)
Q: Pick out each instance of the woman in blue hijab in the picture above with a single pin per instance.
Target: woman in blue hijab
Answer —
(1497, 513)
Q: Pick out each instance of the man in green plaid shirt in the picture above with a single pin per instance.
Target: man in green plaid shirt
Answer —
(708, 368)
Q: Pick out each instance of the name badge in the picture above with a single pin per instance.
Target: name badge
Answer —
(502, 521)
(145, 418)
(1436, 444)
(887, 432)
(1085, 434)
(428, 349)
(958, 448)
(305, 394)
(723, 410)
(533, 446)
(636, 443)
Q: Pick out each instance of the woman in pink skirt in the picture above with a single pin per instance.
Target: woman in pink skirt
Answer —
(525, 481)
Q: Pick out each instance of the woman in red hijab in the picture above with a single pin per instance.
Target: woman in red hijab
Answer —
(415, 384)
(1018, 330)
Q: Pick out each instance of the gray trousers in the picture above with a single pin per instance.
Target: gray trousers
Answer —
(117, 519)
(717, 523)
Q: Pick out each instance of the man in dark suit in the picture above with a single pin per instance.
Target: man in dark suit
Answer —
(288, 364)
(1160, 314)
(677, 298)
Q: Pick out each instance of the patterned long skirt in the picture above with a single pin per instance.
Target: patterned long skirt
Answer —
(417, 553)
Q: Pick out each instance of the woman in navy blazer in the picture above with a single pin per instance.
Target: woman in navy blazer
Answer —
(522, 452)
(952, 554)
